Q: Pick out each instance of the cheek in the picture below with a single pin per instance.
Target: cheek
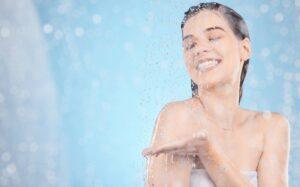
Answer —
(229, 50)
(225, 48)
(231, 61)
(188, 60)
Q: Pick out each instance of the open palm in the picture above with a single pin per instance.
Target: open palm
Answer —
(186, 146)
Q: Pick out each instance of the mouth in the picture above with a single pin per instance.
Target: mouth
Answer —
(207, 64)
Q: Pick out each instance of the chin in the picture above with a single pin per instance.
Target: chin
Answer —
(209, 79)
(212, 81)
(207, 84)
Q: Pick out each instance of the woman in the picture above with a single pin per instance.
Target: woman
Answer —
(209, 139)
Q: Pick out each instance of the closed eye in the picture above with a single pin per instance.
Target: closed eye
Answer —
(214, 38)
(192, 45)
(188, 47)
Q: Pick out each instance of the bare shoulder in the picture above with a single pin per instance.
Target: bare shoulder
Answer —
(273, 123)
(173, 111)
(171, 115)
(268, 122)
(274, 130)
(275, 155)
(167, 121)
(174, 107)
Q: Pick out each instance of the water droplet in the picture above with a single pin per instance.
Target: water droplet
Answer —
(48, 28)
(5, 157)
(146, 30)
(128, 47)
(288, 76)
(63, 8)
(4, 32)
(79, 31)
(166, 163)
(283, 58)
(297, 76)
(97, 19)
(265, 52)
(21, 111)
(267, 114)
(278, 17)
(33, 147)
(11, 168)
(264, 8)
(284, 31)
(51, 176)
(1, 98)
(172, 159)
(22, 146)
(128, 21)
(58, 34)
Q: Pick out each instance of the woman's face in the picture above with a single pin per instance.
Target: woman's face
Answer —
(212, 53)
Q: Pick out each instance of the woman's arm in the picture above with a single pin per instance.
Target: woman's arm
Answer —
(273, 165)
(220, 168)
(210, 154)
(165, 170)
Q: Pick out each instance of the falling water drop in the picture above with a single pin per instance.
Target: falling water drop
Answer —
(166, 170)
(166, 163)
(172, 158)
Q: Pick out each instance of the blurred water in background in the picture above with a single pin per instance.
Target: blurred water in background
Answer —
(83, 81)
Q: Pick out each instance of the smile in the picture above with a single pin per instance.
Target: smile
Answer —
(206, 65)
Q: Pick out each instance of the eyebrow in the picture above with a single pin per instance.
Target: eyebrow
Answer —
(212, 28)
(206, 30)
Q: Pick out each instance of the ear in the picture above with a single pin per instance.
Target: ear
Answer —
(245, 49)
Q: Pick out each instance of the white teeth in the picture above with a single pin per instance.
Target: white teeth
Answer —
(207, 64)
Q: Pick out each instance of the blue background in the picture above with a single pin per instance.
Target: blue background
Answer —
(81, 83)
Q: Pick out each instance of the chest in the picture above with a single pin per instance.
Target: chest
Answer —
(242, 146)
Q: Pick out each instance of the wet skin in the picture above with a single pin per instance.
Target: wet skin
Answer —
(240, 139)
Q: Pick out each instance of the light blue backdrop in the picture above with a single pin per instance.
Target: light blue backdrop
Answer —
(83, 81)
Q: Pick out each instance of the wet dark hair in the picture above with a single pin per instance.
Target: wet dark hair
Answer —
(237, 25)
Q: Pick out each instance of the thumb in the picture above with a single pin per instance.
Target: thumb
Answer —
(201, 134)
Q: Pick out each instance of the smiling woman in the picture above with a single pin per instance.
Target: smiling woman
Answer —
(215, 34)
(209, 140)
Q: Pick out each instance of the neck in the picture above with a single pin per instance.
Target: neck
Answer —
(220, 103)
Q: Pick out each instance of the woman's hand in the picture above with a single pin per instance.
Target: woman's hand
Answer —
(194, 145)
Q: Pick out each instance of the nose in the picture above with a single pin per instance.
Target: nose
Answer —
(203, 47)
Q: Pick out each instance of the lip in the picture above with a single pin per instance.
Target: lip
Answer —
(206, 59)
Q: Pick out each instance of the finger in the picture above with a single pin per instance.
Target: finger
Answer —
(155, 151)
(184, 145)
(169, 147)
(201, 135)
(183, 153)
(191, 150)
(147, 151)
(186, 150)
(166, 149)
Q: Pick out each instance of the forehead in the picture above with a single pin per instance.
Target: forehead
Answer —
(204, 19)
